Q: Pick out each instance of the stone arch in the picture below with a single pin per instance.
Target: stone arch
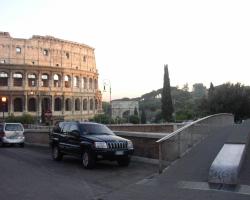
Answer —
(57, 80)
(68, 104)
(58, 104)
(77, 104)
(67, 81)
(32, 80)
(4, 77)
(85, 104)
(45, 80)
(32, 104)
(18, 104)
(17, 79)
(91, 104)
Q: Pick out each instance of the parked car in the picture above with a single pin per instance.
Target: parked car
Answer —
(89, 141)
(11, 133)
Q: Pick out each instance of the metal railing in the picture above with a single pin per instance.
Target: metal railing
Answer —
(177, 143)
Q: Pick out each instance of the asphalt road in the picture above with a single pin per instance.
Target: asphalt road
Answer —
(30, 174)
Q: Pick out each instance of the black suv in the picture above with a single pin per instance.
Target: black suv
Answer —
(89, 141)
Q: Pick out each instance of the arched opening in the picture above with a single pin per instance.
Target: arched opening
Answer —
(17, 79)
(85, 105)
(58, 104)
(76, 81)
(90, 83)
(85, 83)
(18, 105)
(126, 114)
(96, 84)
(32, 80)
(77, 104)
(57, 80)
(67, 81)
(3, 79)
(32, 105)
(45, 80)
(4, 107)
(91, 104)
(68, 104)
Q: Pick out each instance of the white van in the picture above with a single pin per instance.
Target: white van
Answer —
(11, 133)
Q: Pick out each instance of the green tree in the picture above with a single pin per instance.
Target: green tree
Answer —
(199, 91)
(230, 98)
(134, 119)
(166, 100)
(135, 111)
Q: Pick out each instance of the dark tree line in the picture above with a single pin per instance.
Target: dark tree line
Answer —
(229, 98)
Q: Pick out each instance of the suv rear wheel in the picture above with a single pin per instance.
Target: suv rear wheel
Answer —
(56, 154)
(88, 160)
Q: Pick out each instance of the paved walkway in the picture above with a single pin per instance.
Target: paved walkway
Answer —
(187, 177)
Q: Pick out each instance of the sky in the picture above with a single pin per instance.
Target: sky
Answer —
(201, 41)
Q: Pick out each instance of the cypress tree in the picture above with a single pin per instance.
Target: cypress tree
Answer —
(166, 100)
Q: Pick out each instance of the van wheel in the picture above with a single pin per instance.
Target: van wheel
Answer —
(56, 154)
(88, 160)
(123, 161)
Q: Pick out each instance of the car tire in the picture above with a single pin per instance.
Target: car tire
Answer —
(88, 160)
(123, 161)
(56, 154)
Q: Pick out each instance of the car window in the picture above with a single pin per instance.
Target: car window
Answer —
(13, 127)
(66, 128)
(73, 127)
(96, 129)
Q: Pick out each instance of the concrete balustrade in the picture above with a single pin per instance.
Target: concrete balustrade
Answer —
(176, 144)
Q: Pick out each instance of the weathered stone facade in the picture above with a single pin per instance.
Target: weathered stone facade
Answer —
(44, 74)
(124, 108)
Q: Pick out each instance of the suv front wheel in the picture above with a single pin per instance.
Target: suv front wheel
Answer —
(56, 154)
(88, 160)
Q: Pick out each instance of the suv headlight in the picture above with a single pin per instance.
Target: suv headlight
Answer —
(130, 145)
(101, 145)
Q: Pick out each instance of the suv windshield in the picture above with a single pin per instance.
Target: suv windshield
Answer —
(13, 127)
(96, 129)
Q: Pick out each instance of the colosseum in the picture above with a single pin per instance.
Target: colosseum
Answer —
(48, 78)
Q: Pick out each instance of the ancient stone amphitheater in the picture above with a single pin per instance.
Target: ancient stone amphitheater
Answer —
(48, 78)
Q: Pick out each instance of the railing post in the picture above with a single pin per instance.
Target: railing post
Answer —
(160, 157)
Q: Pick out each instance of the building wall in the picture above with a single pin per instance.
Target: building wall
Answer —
(48, 55)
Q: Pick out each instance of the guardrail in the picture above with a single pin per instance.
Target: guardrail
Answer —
(177, 143)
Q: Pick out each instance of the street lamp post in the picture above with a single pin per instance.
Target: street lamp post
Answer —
(106, 82)
(4, 99)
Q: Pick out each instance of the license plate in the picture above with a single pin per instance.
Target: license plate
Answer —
(119, 153)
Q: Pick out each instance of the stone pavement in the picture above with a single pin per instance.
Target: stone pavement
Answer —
(187, 177)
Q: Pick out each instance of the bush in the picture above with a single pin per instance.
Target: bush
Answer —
(103, 119)
(24, 119)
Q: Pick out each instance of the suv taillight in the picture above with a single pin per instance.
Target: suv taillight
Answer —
(2, 134)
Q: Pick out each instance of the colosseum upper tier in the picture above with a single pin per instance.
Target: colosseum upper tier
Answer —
(48, 77)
